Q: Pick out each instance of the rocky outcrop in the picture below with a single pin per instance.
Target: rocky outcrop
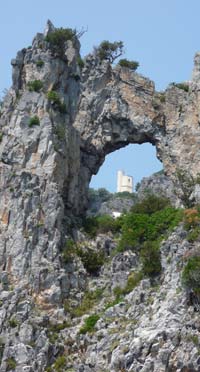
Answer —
(51, 145)
(160, 185)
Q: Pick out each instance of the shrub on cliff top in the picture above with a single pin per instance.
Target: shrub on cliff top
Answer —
(110, 51)
(182, 86)
(58, 37)
(133, 65)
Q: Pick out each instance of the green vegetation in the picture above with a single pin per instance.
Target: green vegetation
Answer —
(133, 65)
(60, 132)
(150, 204)
(101, 194)
(110, 51)
(90, 323)
(101, 225)
(125, 195)
(151, 260)
(69, 252)
(10, 364)
(193, 338)
(139, 228)
(133, 280)
(58, 37)
(1, 136)
(194, 234)
(53, 96)
(34, 121)
(182, 86)
(162, 97)
(13, 323)
(191, 275)
(35, 85)
(60, 364)
(143, 229)
(80, 62)
(39, 63)
(137, 186)
(54, 329)
(92, 260)
(2, 347)
(192, 223)
(58, 327)
(89, 300)
(55, 100)
(187, 183)
(116, 301)
(191, 218)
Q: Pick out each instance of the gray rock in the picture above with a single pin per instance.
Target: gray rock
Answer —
(45, 173)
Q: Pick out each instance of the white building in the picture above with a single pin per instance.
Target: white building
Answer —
(124, 183)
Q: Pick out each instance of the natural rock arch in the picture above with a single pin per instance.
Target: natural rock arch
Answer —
(46, 169)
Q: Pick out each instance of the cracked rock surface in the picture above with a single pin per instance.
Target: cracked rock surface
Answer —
(49, 150)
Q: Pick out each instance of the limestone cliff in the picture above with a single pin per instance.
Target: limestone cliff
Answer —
(54, 137)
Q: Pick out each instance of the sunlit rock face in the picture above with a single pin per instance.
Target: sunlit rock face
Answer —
(46, 168)
(58, 122)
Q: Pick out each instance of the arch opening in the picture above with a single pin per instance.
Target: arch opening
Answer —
(137, 161)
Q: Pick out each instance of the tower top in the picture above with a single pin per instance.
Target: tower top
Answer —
(124, 182)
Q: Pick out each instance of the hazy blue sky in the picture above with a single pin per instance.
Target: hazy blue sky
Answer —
(163, 35)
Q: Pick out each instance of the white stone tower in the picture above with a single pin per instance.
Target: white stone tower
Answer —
(124, 183)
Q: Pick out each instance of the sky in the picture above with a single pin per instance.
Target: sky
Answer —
(162, 35)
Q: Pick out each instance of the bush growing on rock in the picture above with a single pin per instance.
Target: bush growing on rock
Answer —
(101, 225)
(192, 223)
(88, 301)
(39, 63)
(138, 228)
(151, 260)
(191, 281)
(80, 62)
(90, 323)
(34, 121)
(191, 218)
(133, 280)
(186, 184)
(35, 85)
(92, 260)
(60, 363)
(69, 251)
(144, 228)
(58, 37)
(182, 86)
(10, 364)
(13, 323)
(132, 65)
(150, 204)
(55, 100)
(191, 275)
(110, 51)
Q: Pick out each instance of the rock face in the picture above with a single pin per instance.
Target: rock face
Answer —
(158, 184)
(45, 173)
